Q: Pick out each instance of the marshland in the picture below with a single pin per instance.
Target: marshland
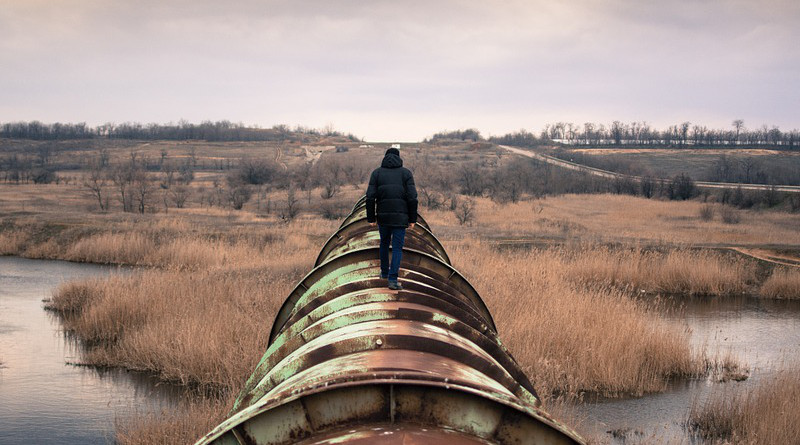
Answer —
(605, 295)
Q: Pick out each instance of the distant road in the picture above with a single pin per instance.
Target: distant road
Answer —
(612, 175)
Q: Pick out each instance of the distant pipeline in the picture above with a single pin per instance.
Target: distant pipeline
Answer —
(352, 362)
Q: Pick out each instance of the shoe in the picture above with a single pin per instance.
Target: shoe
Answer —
(394, 285)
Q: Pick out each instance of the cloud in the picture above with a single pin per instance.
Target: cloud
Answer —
(416, 66)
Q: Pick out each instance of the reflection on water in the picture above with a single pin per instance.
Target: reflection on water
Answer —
(763, 334)
(44, 399)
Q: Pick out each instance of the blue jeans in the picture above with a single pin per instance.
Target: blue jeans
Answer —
(396, 236)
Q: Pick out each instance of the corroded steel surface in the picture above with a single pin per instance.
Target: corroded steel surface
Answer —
(350, 361)
(359, 234)
(360, 269)
(394, 434)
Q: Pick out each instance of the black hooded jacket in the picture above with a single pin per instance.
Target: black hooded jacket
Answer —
(392, 187)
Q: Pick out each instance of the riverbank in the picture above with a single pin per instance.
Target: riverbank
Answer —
(44, 398)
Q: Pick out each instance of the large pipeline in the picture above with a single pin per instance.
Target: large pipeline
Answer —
(350, 361)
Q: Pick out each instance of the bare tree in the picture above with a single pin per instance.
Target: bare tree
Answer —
(44, 152)
(330, 173)
(179, 194)
(431, 198)
(465, 212)
(617, 132)
(292, 206)
(168, 171)
(96, 183)
(329, 189)
(142, 189)
(738, 125)
(647, 186)
(122, 177)
(749, 165)
(684, 132)
(470, 180)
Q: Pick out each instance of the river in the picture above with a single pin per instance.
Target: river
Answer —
(44, 399)
(762, 334)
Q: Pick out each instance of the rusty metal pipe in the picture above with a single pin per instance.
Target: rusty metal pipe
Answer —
(350, 361)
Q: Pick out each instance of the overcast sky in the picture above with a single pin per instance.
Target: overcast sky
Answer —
(402, 70)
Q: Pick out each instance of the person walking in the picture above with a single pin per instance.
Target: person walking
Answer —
(391, 187)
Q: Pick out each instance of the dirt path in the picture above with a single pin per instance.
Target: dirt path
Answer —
(279, 158)
(769, 256)
(612, 175)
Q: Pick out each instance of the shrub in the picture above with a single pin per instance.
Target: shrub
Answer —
(729, 215)
(238, 196)
(682, 187)
(707, 212)
(332, 210)
(254, 171)
(42, 176)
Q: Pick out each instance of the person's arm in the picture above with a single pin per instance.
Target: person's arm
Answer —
(411, 199)
(372, 192)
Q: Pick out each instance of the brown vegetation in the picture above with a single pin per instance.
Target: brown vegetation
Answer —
(183, 425)
(680, 271)
(782, 283)
(571, 338)
(189, 325)
(765, 414)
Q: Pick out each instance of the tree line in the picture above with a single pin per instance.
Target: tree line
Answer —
(636, 134)
(183, 130)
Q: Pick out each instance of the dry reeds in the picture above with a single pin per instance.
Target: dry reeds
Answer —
(204, 329)
(782, 283)
(12, 242)
(200, 326)
(571, 338)
(764, 414)
(679, 271)
(72, 297)
(184, 425)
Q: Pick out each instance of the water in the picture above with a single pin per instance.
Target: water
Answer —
(43, 399)
(763, 334)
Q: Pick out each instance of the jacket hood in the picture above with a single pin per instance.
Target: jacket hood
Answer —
(391, 160)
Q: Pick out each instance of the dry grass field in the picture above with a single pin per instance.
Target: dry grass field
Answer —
(572, 281)
(607, 218)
